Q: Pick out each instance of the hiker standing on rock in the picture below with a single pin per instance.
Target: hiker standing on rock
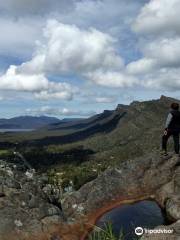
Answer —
(172, 128)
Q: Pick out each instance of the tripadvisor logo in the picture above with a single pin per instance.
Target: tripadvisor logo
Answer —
(140, 231)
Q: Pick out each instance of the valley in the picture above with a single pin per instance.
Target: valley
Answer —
(89, 166)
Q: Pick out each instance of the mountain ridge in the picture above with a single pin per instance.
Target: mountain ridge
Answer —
(121, 133)
(133, 111)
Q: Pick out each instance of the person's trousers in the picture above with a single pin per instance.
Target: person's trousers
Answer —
(175, 135)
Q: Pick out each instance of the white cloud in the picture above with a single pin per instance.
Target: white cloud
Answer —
(70, 46)
(159, 17)
(69, 49)
(166, 51)
(35, 83)
(89, 96)
(45, 95)
(158, 28)
(105, 99)
(18, 36)
(21, 22)
(141, 66)
(158, 53)
(112, 79)
(57, 91)
(163, 79)
(22, 82)
(59, 112)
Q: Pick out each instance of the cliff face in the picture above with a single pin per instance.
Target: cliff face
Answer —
(29, 209)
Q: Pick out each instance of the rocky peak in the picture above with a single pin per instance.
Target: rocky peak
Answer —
(135, 103)
(166, 99)
(121, 107)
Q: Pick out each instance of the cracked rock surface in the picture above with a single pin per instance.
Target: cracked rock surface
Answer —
(27, 212)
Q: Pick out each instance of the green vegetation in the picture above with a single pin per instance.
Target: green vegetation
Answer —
(106, 234)
(81, 158)
(6, 154)
(69, 175)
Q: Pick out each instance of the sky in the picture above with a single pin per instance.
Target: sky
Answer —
(76, 58)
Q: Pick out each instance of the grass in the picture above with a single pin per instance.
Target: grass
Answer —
(6, 153)
(2, 152)
(106, 233)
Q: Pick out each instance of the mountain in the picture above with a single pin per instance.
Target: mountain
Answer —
(122, 124)
(115, 162)
(113, 135)
(27, 122)
(128, 130)
(64, 127)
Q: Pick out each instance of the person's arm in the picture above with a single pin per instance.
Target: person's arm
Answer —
(168, 120)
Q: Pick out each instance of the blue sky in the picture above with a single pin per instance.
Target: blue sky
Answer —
(76, 58)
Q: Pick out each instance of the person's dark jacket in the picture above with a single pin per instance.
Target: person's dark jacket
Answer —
(173, 120)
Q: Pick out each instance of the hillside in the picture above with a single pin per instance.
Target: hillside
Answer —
(126, 132)
(109, 137)
(125, 124)
(126, 120)
(86, 168)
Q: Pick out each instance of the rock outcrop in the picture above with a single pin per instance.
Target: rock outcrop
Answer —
(147, 177)
(27, 210)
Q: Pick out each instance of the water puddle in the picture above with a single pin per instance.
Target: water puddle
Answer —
(145, 214)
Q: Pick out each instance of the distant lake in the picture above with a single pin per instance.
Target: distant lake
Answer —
(15, 130)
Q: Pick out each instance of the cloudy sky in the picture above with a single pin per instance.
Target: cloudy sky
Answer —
(73, 58)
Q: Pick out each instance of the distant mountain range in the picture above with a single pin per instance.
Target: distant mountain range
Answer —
(125, 123)
(30, 122)
(127, 131)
